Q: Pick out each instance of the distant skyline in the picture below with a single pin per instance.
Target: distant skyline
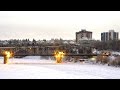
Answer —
(56, 24)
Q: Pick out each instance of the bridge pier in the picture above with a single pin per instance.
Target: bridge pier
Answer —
(5, 59)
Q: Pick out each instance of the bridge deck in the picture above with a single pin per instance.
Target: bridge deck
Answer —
(53, 55)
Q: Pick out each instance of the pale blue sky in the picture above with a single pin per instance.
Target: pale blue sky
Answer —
(56, 24)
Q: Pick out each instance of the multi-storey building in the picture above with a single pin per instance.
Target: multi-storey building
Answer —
(111, 35)
(83, 35)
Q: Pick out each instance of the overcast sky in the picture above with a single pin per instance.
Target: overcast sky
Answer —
(56, 24)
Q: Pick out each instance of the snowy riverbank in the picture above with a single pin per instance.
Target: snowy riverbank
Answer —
(33, 67)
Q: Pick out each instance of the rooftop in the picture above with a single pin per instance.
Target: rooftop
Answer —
(84, 30)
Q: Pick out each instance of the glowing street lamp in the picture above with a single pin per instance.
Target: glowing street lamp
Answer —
(59, 56)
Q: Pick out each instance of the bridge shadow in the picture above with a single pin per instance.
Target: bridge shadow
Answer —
(20, 63)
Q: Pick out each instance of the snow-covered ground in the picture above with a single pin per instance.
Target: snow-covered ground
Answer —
(115, 53)
(33, 67)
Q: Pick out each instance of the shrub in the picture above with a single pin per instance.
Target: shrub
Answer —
(115, 62)
(102, 59)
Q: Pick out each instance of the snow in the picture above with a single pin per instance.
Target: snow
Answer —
(33, 67)
(115, 53)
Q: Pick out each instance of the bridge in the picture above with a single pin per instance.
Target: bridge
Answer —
(53, 55)
(72, 55)
(40, 51)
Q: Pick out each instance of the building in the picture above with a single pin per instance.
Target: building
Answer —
(83, 35)
(111, 35)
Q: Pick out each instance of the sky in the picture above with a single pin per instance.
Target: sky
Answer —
(56, 24)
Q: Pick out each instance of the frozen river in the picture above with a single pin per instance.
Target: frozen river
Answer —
(33, 67)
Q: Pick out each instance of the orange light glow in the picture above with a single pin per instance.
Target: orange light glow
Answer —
(59, 56)
(7, 54)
